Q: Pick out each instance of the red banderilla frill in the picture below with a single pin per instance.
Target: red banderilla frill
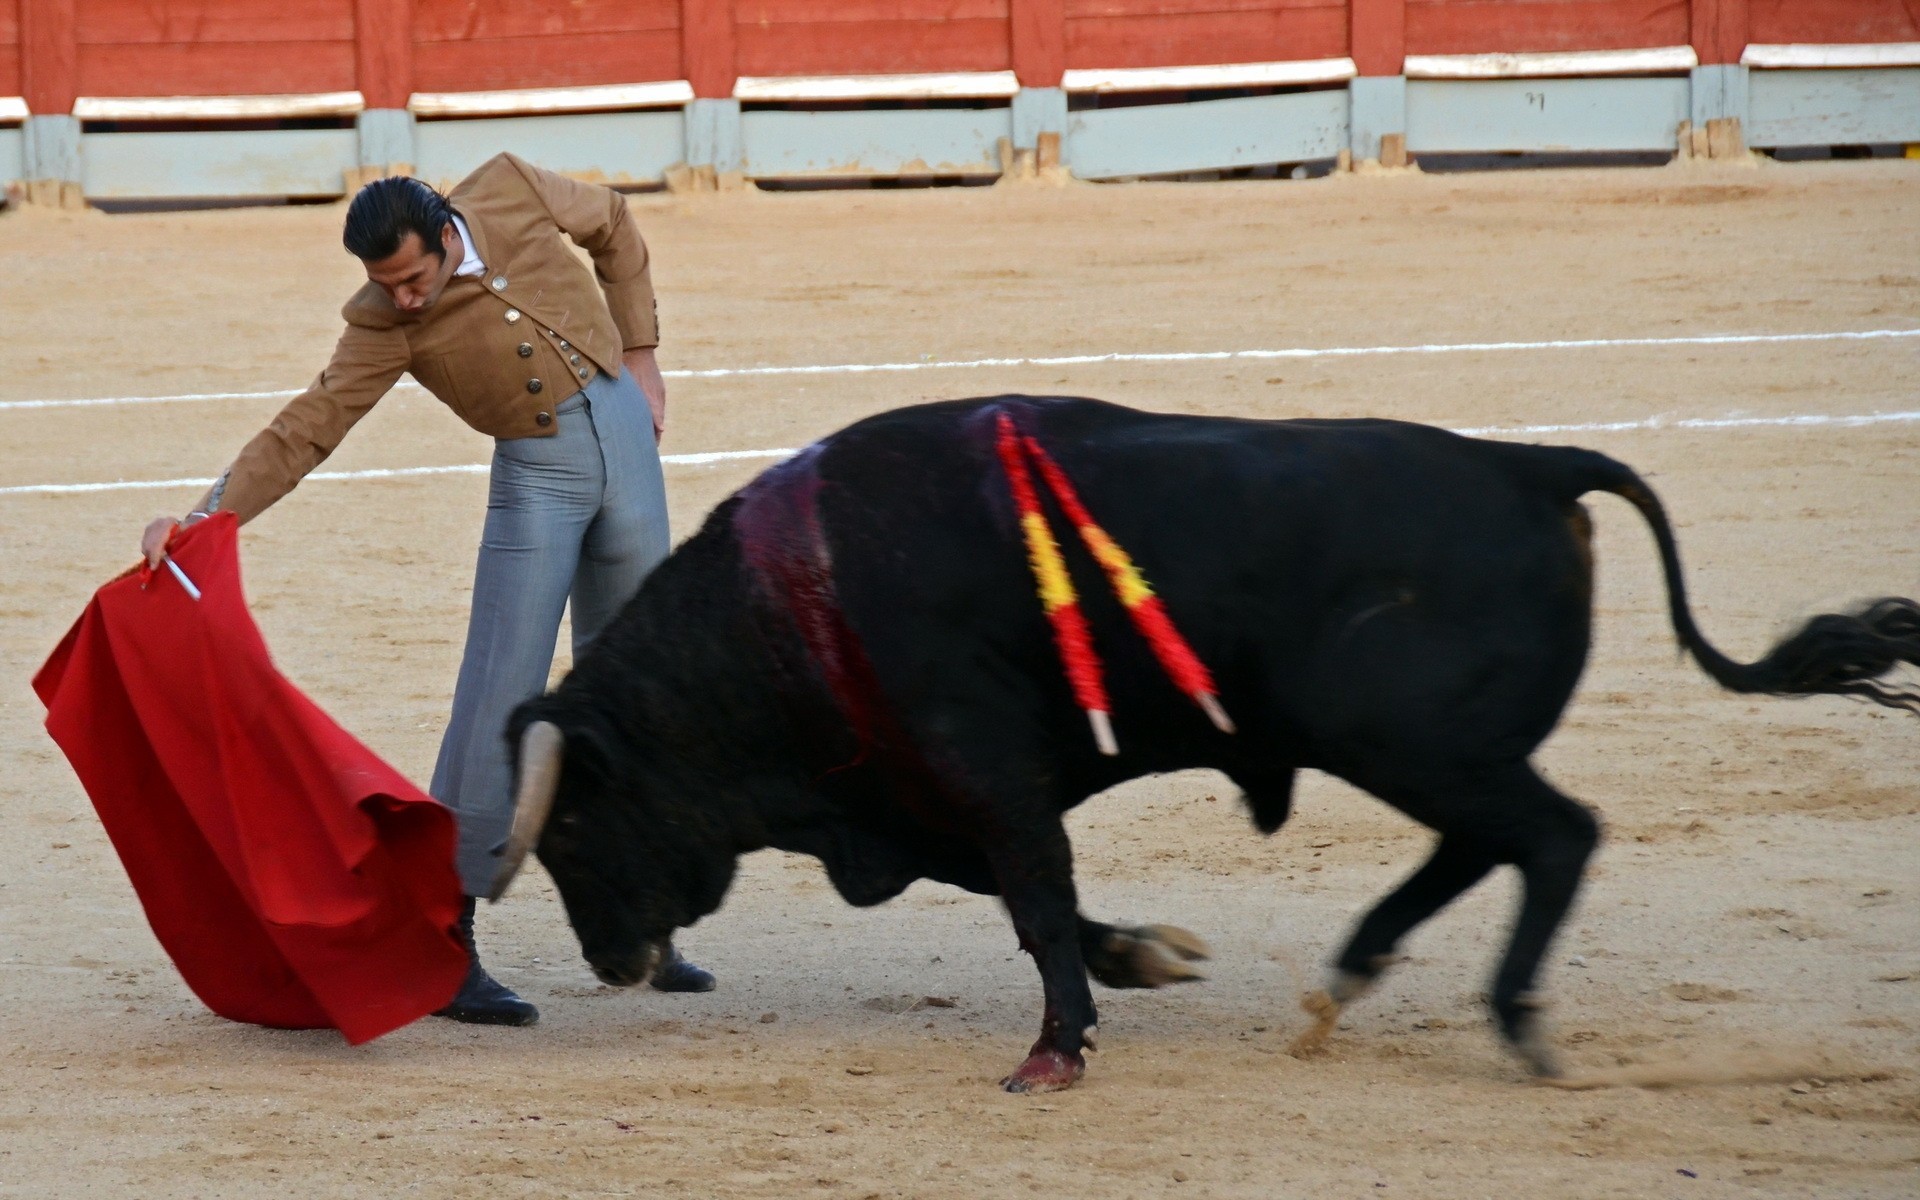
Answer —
(1062, 604)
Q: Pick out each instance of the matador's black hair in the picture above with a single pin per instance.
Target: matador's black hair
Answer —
(386, 210)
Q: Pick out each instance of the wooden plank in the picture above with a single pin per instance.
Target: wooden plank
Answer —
(1165, 139)
(214, 69)
(1658, 60)
(874, 47)
(546, 101)
(503, 63)
(1773, 21)
(1377, 33)
(1219, 76)
(383, 51)
(1484, 26)
(809, 12)
(217, 108)
(1834, 108)
(1039, 33)
(471, 20)
(1554, 115)
(952, 85)
(631, 147)
(867, 143)
(1829, 55)
(1203, 38)
(49, 56)
(707, 47)
(114, 22)
(280, 162)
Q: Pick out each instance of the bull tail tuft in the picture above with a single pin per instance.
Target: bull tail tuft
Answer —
(1833, 654)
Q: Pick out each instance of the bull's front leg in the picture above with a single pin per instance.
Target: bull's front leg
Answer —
(1036, 883)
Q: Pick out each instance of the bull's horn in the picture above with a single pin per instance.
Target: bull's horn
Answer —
(541, 747)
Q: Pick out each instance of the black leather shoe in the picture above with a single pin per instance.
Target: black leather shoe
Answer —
(678, 975)
(482, 999)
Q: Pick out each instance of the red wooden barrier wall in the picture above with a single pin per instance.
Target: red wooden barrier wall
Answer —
(1169, 33)
(1835, 20)
(1520, 26)
(54, 50)
(213, 47)
(870, 37)
(9, 49)
(483, 45)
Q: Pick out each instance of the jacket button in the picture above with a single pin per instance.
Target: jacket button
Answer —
(543, 420)
(526, 349)
(534, 386)
(513, 314)
(584, 372)
(499, 283)
(574, 359)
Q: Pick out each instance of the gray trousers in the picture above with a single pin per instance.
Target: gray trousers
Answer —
(581, 515)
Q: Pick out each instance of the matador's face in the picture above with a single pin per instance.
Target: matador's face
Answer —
(414, 276)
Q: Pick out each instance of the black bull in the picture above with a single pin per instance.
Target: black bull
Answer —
(850, 661)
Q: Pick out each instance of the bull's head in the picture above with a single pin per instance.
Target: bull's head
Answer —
(591, 848)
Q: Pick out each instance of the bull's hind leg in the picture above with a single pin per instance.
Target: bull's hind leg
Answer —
(1509, 815)
(1552, 837)
(1456, 865)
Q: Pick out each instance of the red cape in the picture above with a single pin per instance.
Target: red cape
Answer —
(295, 879)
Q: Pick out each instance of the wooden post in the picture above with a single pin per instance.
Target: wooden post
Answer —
(707, 47)
(1377, 37)
(1038, 29)
(383, 51)
(49, 56)
(1719, 30)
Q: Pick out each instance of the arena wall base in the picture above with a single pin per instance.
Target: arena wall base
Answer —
(1206, 135)
(207, 164)
(1037, 111)
(614, 148)
(386, 140)
(1835, 107)
(867, 143)
(13, 155)
(1546, 115)
(714, 138)
(1378, 109)
(50, 154)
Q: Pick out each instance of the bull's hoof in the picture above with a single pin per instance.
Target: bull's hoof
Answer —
(1148, 956)
(1526, 1033)
(1046, 1071)
(1325, 1011)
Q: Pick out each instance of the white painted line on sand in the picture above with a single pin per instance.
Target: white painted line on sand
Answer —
(1081, 360)
(128, 485)
(708, 458)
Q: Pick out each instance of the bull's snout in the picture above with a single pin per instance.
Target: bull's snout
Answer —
(633, 970)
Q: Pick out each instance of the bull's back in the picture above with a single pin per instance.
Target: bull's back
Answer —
(1321, 567)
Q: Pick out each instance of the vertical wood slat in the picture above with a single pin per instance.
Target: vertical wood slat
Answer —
(49, 56)
(1719, 30)
(707, 47)
(1378, 38)
(383, 51)
(1038, 29)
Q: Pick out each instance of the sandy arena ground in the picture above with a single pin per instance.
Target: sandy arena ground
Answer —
(1753, 921)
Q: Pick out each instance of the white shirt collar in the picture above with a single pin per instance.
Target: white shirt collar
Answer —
(470, 264)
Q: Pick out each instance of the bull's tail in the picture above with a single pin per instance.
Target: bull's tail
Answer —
(1833, 654)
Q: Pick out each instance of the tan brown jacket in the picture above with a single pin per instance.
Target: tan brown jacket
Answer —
(500, 349)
